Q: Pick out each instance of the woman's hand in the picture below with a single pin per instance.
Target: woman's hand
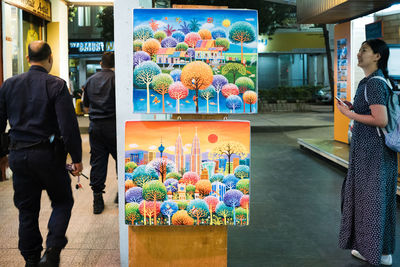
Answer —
(345, 110)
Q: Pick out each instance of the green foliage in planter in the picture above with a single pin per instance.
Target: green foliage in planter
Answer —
(290, 94)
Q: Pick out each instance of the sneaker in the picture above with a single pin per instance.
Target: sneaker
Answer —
(51, 258)
(386, 260)
(357, 254)
(98, 203)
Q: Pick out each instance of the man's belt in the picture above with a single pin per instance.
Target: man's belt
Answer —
(17, 145)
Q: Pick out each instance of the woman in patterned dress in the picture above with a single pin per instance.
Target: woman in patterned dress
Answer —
(369, 190)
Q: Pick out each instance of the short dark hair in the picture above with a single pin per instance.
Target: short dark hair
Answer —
(108, 59)
(43, 52)
(379, 46)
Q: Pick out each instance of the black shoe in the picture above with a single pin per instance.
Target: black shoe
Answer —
(51, 258)
(98, 203)
(32, 261)
(116, 199)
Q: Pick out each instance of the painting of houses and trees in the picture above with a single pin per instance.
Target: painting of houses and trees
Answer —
(187, 172)
(195, 61)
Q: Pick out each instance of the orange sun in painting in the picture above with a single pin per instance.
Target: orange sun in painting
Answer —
(212, 138)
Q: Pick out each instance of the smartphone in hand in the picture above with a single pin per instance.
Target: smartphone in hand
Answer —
(346, 103)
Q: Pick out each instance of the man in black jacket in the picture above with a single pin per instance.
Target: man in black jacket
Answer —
(99, 100)
(43, 130)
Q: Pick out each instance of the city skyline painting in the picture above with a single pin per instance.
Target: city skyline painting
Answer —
(198, 170)
(195, 61)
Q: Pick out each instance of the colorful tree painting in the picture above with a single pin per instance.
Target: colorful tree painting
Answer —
(190, 190)
(218, 33)
(151, 46)
(194, 25)
(189, 178)
(142, 175)
(197, 76)
(218, 82)
(160, 35)
(204, 187)
(218, 177)
(232, 199)
(149, 209)
(205, 34)
(139, 57)
(250, 97)
(234, 69)
(181, 47)
(181, 217)
(169, 30)
(242, 171)
(134, 194)
(230, 181)
(169, 42)
(154, 191)
(243, 186)
(169, 208)
(233, 102)
(171, 184)
(137, 45)
(178, 91)
(192, 38)
(198, 208)
(185, 28)
(128, 176)
(228, 148)
(212, 203)
(208, 94)
(162, 166)
(153, 24)
(222, 42)
(179, 36)
(244, 203)
(241, 215)
(229, 89)
(242, 32)
(176, 75)
(142, 32)
(161, 83)
(182, 204)
(191, 53)
(144, 74)
(130, 166)
(224, 211)
(244, 84)
(129, 184)
(174, 175)
(132, 213)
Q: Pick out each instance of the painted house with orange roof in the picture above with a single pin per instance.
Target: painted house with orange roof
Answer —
(168, 56)
(205, 50)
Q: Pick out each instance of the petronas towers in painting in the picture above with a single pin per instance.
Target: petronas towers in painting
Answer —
(195, 156)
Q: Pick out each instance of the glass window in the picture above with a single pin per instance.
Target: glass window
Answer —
(84, 16)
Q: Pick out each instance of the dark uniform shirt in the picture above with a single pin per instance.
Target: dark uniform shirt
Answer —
(99, 95)
(37, 106)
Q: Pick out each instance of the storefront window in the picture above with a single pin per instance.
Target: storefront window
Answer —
(32, 30)
(13, 51)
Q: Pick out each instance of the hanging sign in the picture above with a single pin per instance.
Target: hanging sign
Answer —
(40, 8)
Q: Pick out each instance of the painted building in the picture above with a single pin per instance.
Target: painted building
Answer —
(179, 156)
(195, 156)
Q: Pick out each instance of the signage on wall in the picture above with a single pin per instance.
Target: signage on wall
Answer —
(90, 47)
(40, 8)
(374, 30)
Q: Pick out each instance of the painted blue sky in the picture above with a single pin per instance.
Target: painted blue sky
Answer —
(207, 18)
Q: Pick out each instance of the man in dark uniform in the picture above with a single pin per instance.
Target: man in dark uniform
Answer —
(99, 101)
(43, 130)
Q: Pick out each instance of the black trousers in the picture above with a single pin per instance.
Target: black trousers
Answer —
(35, 169)
(103, 141)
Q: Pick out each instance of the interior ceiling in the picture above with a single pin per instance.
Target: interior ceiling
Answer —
(287, 2)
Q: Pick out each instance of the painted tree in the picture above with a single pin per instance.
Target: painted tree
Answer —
(144, 74)
(142, 175)
(222, 42)
(161, 83)
(205, 34)
(151, 46)
(129, 184)
(192, 38)
(212, 203)
(149, 209)
(245, 203)
(134, 194)
(218, 82)
(182, 204)
(208, 94)
(189, 178)
(160, 35)
(194, 25)
(176, 75)
(181, 47)
(232, 199)
(224, 211)
(242, 32)
(128, 176)
(190, 190)
(178, 91)
(228, 149)
(169, 29)
(191, 53)
(197, 76)
(230, 181)
(153, 24)
(162, 166)
(185, 28)
(169, 208)
(241, 215)
(171, 185)
(233, 102)
(174, 175)
(242, 171)
(142, 32)
(198, 208)
(250, 97)
(169, 42)
(229, 89)
(132, 213)
(218, 177)
(154, 191)
(218, 33)
(179, 36)
(234, 69)
(130, 166)
(243, 186)
(204, 187)
(244, 84)
(137, 45)
(181, 217)
(139, 57)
